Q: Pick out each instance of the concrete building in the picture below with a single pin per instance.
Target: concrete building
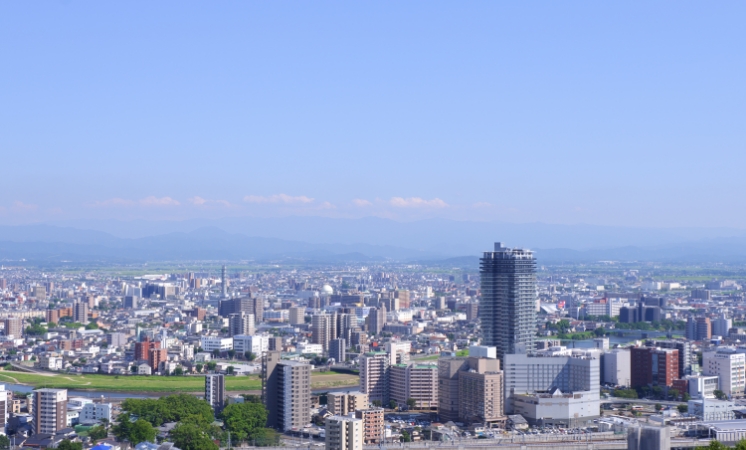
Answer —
(215, 392)
(414, 381)
(344, 433)
(508, 303)
(648, 438)
(374, 377)
(286, 392)
(210, 344)
(707, 409)
(399, 351)
(343, 403)
(49, 409)
(553, 390)
(257, 344)
(248, 305)
(156, 356)
(373, 424)
(6, 407)
(116, 339)
(80, 312)
(297, 315)
(721, 326)
(702, 386)
(323, 329)
(729, 366)
(652, 366)
(240, 324)
(95, 412)
(338, 350)
(470, 390)
(698, 329)
(616, 364)
(685, 353)
(14, 327)
(376, 320)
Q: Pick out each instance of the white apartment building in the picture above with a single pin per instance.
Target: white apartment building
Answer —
(399, 351)
(344, 433)
(256, 344)
(210, 344)
(307, 348)
(95, 412)
(703, 386)
(730, 366)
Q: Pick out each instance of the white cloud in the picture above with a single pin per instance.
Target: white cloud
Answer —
(362, 202)
(417, 202)
(197, 201)
(155, 201)
(327, 205)
(277, 198)
(24, 207)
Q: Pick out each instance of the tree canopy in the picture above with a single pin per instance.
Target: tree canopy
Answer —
(243, 420)
(172, 408)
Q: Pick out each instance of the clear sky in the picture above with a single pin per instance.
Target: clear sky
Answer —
(623, 113)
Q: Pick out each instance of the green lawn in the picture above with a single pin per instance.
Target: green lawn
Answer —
(134, 383)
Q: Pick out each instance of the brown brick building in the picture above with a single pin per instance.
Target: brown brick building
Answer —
(654, 366)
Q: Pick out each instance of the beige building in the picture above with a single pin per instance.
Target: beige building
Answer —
(14, 327)
(374, 377)
(342, 403)
(49, 409)
(344, 433)
(286, 392)
(297, 315)
(323, 329)
(470, 390)
(373, 424)
(414, 381)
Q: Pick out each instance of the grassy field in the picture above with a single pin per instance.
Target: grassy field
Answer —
(135, 383)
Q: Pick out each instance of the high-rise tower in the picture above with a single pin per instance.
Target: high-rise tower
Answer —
(508, 305)
(224, 284)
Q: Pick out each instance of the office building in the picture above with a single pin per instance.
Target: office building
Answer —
(256, 344)
(553, 390)
(648, 438)
(729, 365)
(338, 349)
(376, 320)
(418, 382)
(721, 326)
(215, 392)
(373, 424)
(374, 377)
(241, 324)
(248, 305)
(698, 329)
(685, 352)
(80, 312)
(323, 329)
(275, 343)
(6, 407)
(616, 365)
(651, 366)
(40, 292)
(14, 327)
(142, 349)
(49, 410)
(95, 412)
(297, 315)
(508, 304)
(130, 301)
(116, 339)
(212, 343)
(343, 403)
(344, 433)
(286, 392)
(702, 386)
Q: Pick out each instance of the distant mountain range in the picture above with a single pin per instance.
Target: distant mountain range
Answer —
(315, 239)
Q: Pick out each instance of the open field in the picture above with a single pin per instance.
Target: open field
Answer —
(135, 383)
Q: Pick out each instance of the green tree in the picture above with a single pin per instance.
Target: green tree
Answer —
(683, 408)
(720, 394)
(411, 403)
(716, 445)
(405, 436)
(230, 370)
(141, 431)
(192, 437)
(211, 365)
(216, 353)
(98, 433)
(4, 442)
(658, 407)
(178, 371)
(249, 356)
(741, 445)
(244, 419)
(67, 444)
(199, 368)
(377, 403)
(673, 393)
(231, 353)
(392, 404)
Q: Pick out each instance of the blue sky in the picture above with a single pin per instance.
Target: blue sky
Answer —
(615, 113)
